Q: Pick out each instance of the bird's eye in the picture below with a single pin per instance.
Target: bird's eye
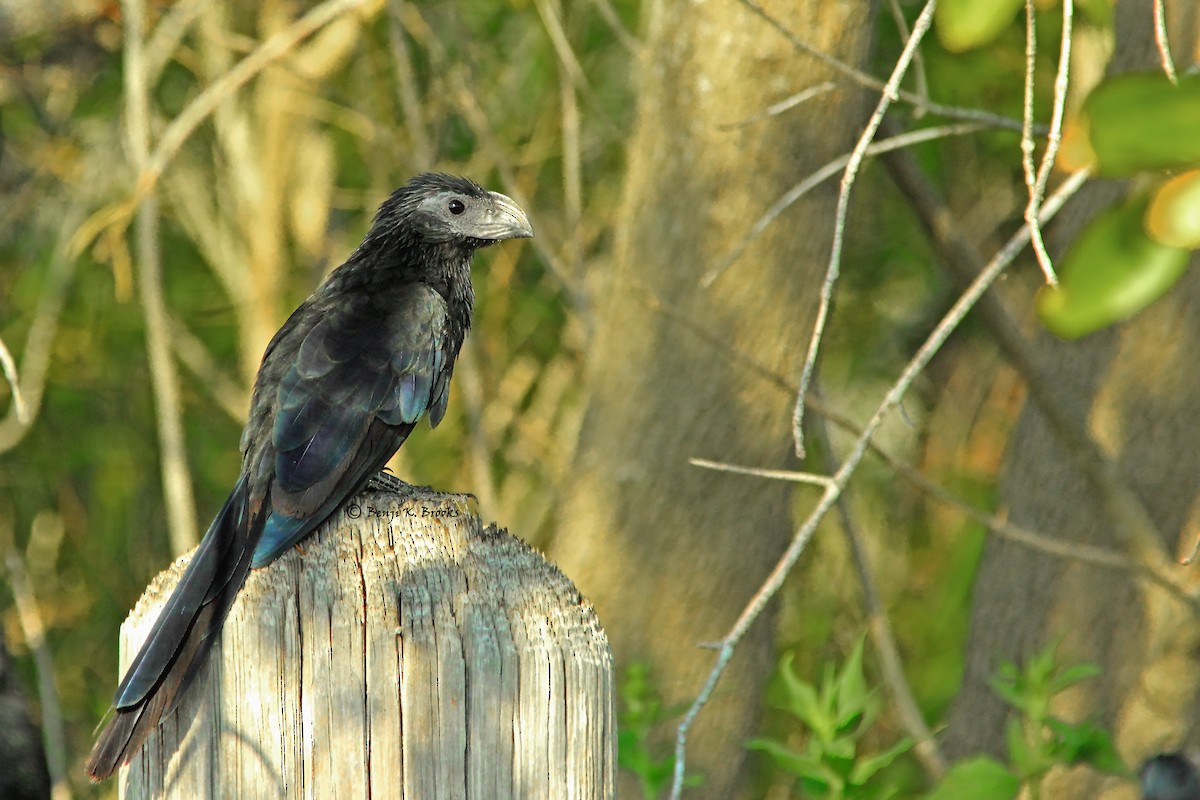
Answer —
(457, 207)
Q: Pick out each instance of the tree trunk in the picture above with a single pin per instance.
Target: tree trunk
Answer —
(406, 652)
(669, 552)
(1137, 387)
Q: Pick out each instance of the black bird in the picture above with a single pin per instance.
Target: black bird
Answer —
(341, 386)
(1169, 776)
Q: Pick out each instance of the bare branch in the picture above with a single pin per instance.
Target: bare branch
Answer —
(1002, 528)
(758, 472)
(920, 27)
(34, 631)
(572, 157)
(10, 374)
(176, 477)
(164, 41)
(609, 15)
(232, 397)
(35, 357)
(1130, 518)
(406, 87)
(478, 449)
(1037, 186)
(787, 103)
(891, 400)
(185, 124)
(1163, 42)
(823, 174)
(918, 60)
(890, 663)
(874, 84)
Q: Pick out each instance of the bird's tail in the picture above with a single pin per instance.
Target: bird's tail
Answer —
(183, 634)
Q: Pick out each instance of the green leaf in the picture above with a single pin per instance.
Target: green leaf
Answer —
(1087, 743)
(1008, 685)
(866, 768)
(979, 778)
(1173, 217)
(1069, 676)
(802, 702)
(1143, 122)
(967, 24)
(802, 765)
(850, 692)
(1112, 271)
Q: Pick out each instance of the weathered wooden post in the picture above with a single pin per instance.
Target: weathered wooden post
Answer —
(410, 652)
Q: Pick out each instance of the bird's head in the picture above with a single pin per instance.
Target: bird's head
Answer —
(444, 209)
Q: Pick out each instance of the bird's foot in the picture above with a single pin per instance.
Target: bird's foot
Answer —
(387, 482)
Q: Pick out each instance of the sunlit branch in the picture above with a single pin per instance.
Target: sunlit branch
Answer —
(787, 103)
(1162, 41)
(890, 663)
(887, 96)
(14, 384)
(1037, 185)
(891, 400)
(177, 485)
(874, 84)
(825, 173)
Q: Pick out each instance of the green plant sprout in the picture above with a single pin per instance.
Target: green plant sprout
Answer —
(838, 714)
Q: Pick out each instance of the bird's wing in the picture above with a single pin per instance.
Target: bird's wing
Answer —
(354, 392)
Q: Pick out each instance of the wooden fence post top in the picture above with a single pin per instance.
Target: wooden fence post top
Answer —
(407, 651)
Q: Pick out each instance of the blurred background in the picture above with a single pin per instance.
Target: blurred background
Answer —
(177, 176)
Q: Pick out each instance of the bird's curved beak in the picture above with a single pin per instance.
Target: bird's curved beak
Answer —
(505, 220)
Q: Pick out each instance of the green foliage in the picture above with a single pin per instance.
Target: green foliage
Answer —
(1037, 740)
(836, 717)
(979, 778)
(1133, 253)
(1136, 123)
(1112, 271)
(967, 24)
(640, 718)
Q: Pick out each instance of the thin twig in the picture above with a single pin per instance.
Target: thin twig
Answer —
(562, 44)
(1037, 187)
(473, 113)
(34, 631)
(1125, 509)
(778, 108)
(626, 39)
(872, 83)
(772, 474)
(10, 374)
(920, 27)
(1163, 41)
(890, 663)
(572, 157)
(922, 80)
(232, 397)
(406, 87)
(891, 400)
(1002, 528)
(168, 33)
(823, 174)
(1027, 144)
(35, 357)
(177, 485)
(479, 449)
(185, 124)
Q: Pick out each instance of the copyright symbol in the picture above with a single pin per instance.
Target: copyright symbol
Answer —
(353, 511)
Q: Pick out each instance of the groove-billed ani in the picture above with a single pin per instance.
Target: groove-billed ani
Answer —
(341, 386)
